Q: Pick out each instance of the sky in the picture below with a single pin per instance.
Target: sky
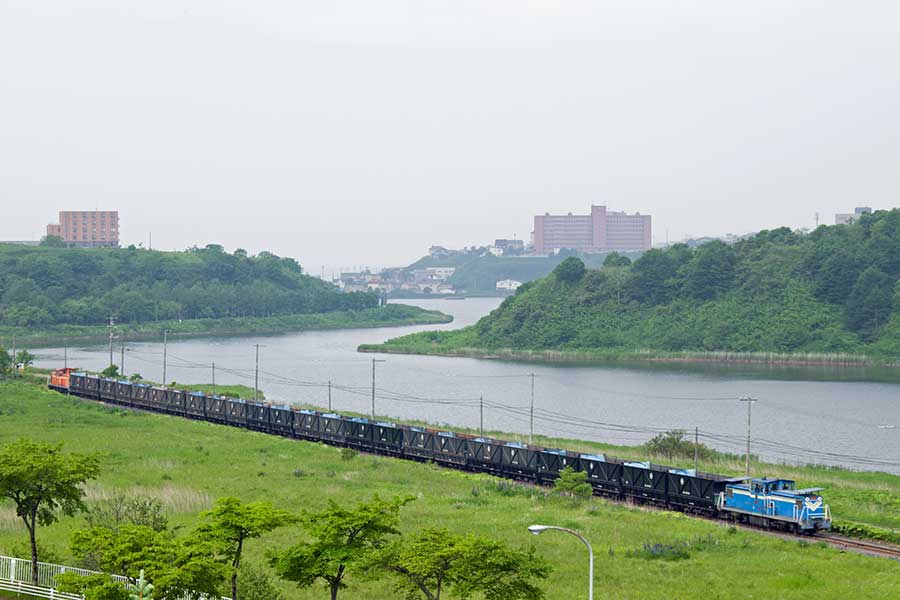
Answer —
(352, 133)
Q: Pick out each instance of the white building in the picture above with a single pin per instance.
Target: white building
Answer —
(508, 285)
(847, 218)
(441, 273)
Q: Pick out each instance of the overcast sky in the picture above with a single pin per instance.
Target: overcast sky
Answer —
(349, 133)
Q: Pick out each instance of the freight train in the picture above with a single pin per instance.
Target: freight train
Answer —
(771, 503)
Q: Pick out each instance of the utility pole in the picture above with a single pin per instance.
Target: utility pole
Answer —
(749, 402)
(122, 361)
(214, 378)
(65, 357)
(374, 360)
(165, 349)
(329, 395)
(481, 415)
(112, 322)
(531, 428)
(256, 377)
(696, 450)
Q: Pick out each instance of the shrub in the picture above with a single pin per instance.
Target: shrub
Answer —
(348, 453)
(672, 444)
(94, 587)
(573, 484)
(254, 583)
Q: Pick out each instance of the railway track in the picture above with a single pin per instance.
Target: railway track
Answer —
(861, 546)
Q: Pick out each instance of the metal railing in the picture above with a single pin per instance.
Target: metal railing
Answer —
(38, 592)
(15, 576)
(19, 570)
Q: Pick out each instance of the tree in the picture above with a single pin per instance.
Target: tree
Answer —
(43, 481)
(871, 301)
(343, 539)
(5, 360)
(53, 241)
(436, 560)
(141, 589)
(711, 270)
(179, 568)
(231, 523)
(110, 372)
(573, 483)
(569, 270)
(652, 274)
(614, 259)
(24, 358)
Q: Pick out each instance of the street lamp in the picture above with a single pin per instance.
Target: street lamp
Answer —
(539, 529)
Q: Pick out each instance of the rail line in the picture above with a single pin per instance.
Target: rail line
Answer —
(861, 546)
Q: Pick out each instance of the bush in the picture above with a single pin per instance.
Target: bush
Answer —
(94, 587)
(254, 583)
(348, 453)
(127, 510)
(672, 444)
(573, 484)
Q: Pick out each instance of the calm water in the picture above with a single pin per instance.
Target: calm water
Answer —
(844, 420)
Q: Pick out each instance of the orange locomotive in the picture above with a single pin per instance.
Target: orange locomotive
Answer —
(59, 379)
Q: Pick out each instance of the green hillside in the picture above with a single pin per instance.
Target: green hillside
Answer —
(50, 286)
(476, 272)
(830, 292)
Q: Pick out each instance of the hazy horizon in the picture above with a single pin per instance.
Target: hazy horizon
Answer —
(353, 134)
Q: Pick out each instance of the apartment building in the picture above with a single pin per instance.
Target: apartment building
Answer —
(600, 231)
(87, 228)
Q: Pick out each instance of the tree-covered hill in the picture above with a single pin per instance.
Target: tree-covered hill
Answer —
(834, 290)
(480, 271)
(47, 286)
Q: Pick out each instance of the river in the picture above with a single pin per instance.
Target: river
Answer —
(820, 415)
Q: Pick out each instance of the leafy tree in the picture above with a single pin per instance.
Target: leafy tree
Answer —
(614, 259)
(179, 568)
(343, 539)
(5, 361)
(836, 276)
(573, 483)
(710, 271)
(111, 372)
(651, 276)
(136, 378)
(436, 560)
(231, 523)
(24, 358)
(43, 481)
(569, 270)
(871, 301)
(53, 241)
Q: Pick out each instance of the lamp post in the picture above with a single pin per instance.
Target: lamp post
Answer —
(539, 529)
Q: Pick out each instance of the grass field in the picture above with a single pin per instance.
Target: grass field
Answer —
(188, 464)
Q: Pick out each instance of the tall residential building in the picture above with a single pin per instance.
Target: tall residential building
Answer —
(600, 231)
(847, 218)
(87, 228)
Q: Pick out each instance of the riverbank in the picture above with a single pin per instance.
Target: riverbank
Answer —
(400, 346)
(200, 462)
(391, 315)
